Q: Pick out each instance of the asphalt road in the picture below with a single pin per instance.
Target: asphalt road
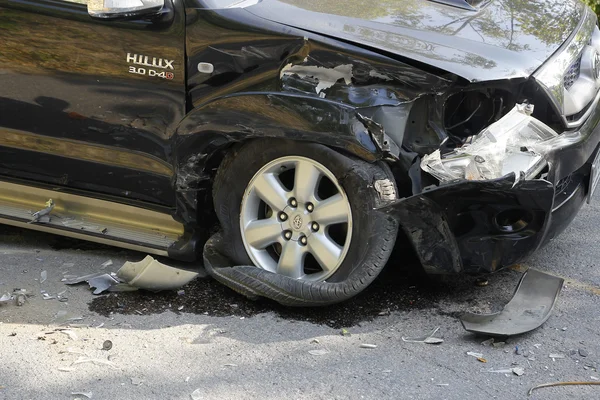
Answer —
(225, 347)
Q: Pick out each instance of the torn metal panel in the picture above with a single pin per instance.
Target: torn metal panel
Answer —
(476, 226)
(324, 77)
(530, 307)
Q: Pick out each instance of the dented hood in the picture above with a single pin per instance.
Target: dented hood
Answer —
(494, 40)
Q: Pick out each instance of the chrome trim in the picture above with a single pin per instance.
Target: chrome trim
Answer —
(550, 76)
(83, 236)
(591, 108)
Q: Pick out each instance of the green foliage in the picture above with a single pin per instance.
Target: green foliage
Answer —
(595, 4)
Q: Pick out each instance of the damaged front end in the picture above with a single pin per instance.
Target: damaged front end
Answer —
(499, 196)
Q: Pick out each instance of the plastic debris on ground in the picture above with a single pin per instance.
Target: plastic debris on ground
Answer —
(6, 297)
(136, 381)
(319, 352)
(107, 263)
(43, 276)
(530, 306)
(368, 346)
(514, 370)
(84, 394)
(95, 361)
(554, 357)
(428, 339)
(478, 356)
(72, 335)
(148, 274)
(19, 296)
(196, 394)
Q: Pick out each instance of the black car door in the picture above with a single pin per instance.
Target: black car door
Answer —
(89, 104)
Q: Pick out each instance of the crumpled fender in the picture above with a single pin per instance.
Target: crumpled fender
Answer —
(453, 228)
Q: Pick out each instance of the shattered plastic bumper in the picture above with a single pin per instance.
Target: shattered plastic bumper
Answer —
(483, 225)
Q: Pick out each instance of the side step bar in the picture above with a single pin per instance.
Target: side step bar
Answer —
(90, 219)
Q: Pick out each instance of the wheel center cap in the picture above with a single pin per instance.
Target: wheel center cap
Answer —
(297, 222)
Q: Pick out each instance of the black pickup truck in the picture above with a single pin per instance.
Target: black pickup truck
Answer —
(290, 145)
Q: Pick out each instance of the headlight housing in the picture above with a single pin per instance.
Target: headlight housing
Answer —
(515, 143)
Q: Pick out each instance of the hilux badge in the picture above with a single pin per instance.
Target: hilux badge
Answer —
(155, 64)
(147, 61)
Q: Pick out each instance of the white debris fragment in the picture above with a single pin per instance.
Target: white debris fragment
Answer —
(428, 339)
(319, 352)
(5, 297)
(368, 346)
(66, 369)
(72, 335)
(556, 356)
(196, 395)
(95, 361)
(43, 276)
(84, 394)
(136, 381)
(473, 354)
(518, 371)
(106, 264)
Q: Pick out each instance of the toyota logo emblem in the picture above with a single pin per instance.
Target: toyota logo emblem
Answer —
(297, 221)
(596, 65)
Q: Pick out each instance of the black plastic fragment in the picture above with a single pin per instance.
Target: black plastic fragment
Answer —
(529, 308)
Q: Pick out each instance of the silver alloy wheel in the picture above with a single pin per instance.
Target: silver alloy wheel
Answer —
(280, 227)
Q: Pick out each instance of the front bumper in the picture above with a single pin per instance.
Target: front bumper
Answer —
(483, 226)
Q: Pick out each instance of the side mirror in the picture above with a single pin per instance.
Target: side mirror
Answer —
(123, 9)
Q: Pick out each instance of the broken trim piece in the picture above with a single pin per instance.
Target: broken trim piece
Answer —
(326, 77)
(530, 307)
(150, 274)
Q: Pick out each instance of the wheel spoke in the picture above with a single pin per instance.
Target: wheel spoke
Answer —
(325, 250)
(263, 232)
(306, 181)
(271, 191)
(333, 210)
(291, 261)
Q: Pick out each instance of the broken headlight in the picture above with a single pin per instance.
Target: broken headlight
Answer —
(513, 144)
